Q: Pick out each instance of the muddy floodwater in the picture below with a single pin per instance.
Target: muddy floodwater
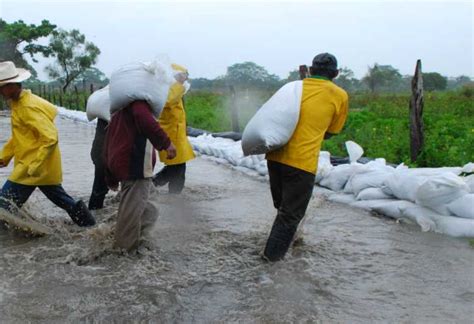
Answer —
(204, 266)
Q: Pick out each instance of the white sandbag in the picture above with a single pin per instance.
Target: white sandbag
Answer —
(371, 205)
(403, 184)
(354, 150)
(98, 105)
(337, 177)
(324, 166)
(438, 191)
(468, 168)
(469, 180)
(463, 206)
(341, 198)
(140, 81)
(393, 209)
(274, 123)
(369, 179)
(372, 193)
(449, 225)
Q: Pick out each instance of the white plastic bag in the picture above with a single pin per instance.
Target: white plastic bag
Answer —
(140, 81)
(274, 123)
(98, 105)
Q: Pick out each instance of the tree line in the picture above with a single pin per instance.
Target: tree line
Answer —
(74, 59)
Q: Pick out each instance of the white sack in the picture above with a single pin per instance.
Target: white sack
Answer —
(98, 105)
(468, 168)
(324, 166)
(392, 209)
(140, 81)
(403, 184)
(337, 177)
(341, 198)
(463, 206)
(368, 178)
(371, 205)
(354, 150)
(438, 191)
(449, 225)
(372, 193)
(274, 123)
(469, 180)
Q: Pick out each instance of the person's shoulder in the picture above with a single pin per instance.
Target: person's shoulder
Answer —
(339, 91)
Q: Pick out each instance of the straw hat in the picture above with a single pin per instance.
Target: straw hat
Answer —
(9, 73)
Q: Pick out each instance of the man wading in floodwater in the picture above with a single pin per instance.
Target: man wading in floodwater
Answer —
(292, 168)
(34, 146)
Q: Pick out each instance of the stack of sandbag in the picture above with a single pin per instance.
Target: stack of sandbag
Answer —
(140, 81)
(98, 105)
(437, 199)
(274, 123)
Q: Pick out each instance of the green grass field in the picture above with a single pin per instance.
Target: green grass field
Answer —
(379, 124)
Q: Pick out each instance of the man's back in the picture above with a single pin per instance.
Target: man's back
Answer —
(324, 108)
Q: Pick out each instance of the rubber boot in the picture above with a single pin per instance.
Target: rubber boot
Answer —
(279, 241)
(81, 215)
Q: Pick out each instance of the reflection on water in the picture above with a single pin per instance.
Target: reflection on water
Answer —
(204, 266)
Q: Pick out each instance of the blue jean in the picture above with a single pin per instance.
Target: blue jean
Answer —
(15, 194)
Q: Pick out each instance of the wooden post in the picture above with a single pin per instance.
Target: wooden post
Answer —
(416, 113)
(234, 110)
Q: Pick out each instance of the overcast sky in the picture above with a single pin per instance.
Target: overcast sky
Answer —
(209, 36)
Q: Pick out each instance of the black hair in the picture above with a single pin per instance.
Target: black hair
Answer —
(328, 73)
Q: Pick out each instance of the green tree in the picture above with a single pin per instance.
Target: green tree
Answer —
(74, 55)
(434, 81)
(93, 76)
(293, 76)
(458, 82)
(17, 39)
(250, 74)
(346, 80)
(382, 77)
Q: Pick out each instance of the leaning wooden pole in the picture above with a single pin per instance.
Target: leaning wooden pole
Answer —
(416, 113)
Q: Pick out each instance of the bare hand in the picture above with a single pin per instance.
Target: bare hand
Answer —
(2, 163)
(171, 152)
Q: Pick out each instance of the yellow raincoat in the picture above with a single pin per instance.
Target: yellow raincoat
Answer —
(173, 122)
(34, 142)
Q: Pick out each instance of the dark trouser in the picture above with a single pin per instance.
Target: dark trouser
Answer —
(173, 175)
(13, 195)
(291, 191)
(99, 189)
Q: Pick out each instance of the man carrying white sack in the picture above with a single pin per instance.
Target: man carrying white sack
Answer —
(129, 152)
(173, 122)
(292, 168)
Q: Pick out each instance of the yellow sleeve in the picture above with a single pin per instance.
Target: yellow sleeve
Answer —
(340, 117)
(47, 136)
(175, 93)
(8, 151)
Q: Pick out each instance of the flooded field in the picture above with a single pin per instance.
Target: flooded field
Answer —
(204, 265)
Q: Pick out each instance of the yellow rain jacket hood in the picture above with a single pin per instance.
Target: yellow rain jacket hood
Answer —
(173, 122)
(34, 142)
